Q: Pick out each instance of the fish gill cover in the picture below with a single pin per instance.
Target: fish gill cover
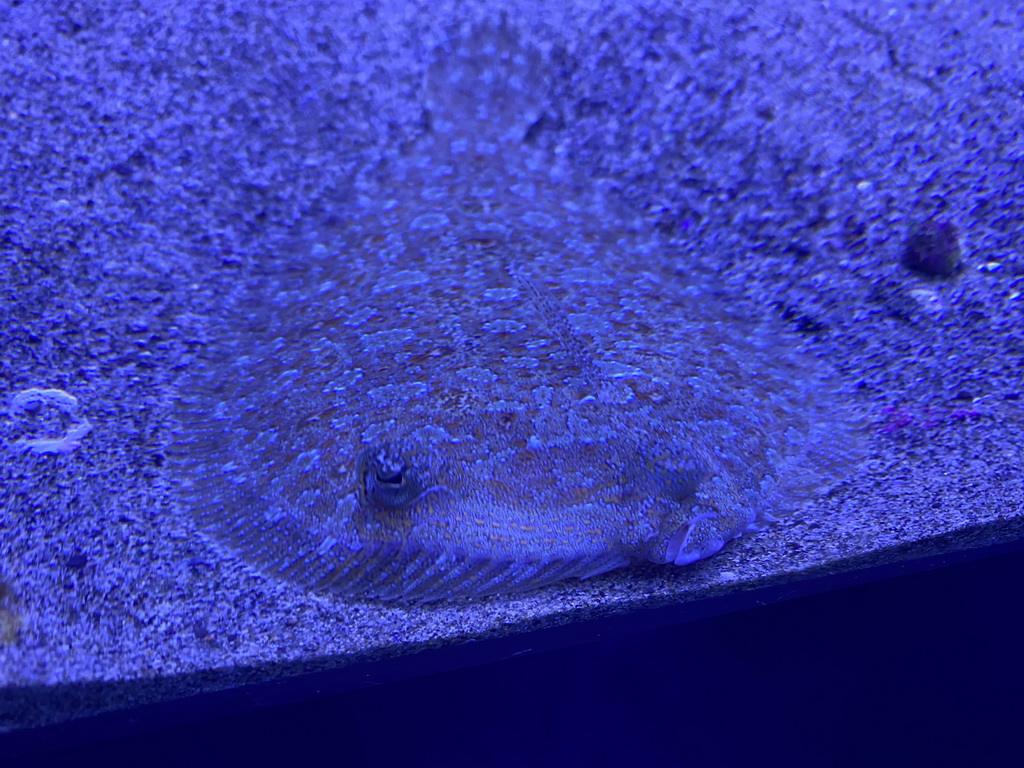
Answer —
(492, 378)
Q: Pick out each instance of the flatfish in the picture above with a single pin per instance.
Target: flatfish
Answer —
(491, 377)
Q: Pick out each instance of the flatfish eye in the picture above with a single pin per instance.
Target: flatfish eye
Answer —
(679, 486)
(390, 478)
(678, 477)
(387, 482)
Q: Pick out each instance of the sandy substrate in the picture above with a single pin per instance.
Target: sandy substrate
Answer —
(151, 157)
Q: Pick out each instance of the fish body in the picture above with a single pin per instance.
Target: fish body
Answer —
(492, 378)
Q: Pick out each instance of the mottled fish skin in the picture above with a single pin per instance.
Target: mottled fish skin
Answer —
(492, 379)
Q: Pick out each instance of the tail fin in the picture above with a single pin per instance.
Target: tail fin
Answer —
(486, 84)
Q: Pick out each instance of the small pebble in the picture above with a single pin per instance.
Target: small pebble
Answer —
(933, 248)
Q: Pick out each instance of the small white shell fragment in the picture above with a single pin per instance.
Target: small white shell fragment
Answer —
(29, 400)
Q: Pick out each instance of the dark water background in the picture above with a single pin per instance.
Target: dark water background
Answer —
(922, 670)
